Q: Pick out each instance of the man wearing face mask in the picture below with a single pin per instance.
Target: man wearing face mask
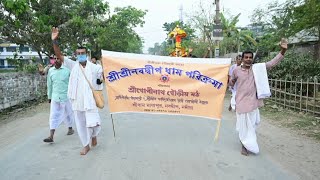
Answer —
(60, 107)
(247, 102)
(83, 104)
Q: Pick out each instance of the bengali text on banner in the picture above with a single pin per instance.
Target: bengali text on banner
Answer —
(165, 85)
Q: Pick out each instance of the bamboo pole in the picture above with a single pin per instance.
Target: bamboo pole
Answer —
(300, 95)
(285, 92)
(217, 130)
(280, 92)
(275, 91)
(307, 95)
(295, 94)
(314, 95)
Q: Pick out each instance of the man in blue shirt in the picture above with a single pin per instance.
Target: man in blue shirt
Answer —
(60, 108)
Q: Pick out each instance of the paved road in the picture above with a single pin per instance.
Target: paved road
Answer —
(146, 147)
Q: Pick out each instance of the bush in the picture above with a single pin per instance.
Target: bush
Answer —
(22, 65)
(295, 65)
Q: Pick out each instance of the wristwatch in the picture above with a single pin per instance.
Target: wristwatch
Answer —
(55, 42)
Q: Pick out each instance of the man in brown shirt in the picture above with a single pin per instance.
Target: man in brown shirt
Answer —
(247, 103)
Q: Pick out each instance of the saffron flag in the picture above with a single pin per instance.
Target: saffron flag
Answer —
(165, 85)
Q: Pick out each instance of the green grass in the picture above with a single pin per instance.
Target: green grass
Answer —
(7, 70)
(302, 123)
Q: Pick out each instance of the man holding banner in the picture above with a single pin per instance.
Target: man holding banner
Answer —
(80, 94)
(250, 82)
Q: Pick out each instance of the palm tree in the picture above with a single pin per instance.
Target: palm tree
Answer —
(235, 37)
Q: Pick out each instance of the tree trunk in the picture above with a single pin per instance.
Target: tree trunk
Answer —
(40, 56)
(316, 49)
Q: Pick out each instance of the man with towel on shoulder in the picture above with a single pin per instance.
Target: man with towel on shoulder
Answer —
(247, 102)
(86, 113)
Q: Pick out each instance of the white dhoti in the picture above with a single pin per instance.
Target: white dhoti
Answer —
(88, 125)
(83, 104)
(246, 126)
(60, 111)
(233, 100)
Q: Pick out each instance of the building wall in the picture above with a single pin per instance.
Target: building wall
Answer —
(16, 88)
(307, 48)
(25, 53)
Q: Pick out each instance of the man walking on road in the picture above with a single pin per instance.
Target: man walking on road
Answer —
(99, 72)
(60, 108)
(247, 102)
(234, 88)
(83, 104)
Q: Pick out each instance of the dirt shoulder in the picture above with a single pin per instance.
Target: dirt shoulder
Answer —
(291, 139)
(303, 124)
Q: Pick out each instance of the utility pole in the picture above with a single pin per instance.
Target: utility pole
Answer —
(217, 29)
(217, 19)
(181, 13)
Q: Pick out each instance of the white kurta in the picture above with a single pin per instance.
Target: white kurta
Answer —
(60, 111)
(83, 104)
(246, 126)
(233, 89)
(99, 75)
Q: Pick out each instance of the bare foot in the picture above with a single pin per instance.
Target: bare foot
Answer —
(94, 142)
(244, 151)
(85, 150)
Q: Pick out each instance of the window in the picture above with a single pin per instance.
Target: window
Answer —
(24, 49)
(1, 49)
(11, 49)
(1, 62)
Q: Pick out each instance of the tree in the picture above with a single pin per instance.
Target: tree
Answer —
(306, 18)
(117, 32)
(235, 38)
(289, 19)
(81, 22)
(202, 21)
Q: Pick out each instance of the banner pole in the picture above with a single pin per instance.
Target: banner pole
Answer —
(114, 132)
(217, 131)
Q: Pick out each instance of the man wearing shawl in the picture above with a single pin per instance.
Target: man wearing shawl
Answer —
(247, 102)
(83, 104)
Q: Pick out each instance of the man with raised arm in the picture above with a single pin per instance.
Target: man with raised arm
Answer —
(86, 113)
(247, 102)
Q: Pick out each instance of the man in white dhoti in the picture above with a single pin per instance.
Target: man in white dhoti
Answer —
(83, 104)
(247, 103)
(234, 88)
(60, 108)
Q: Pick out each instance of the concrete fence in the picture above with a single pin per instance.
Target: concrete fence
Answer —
(19, 87)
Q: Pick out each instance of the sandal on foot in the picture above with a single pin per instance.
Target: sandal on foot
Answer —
(70, 132)
(48, 140)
